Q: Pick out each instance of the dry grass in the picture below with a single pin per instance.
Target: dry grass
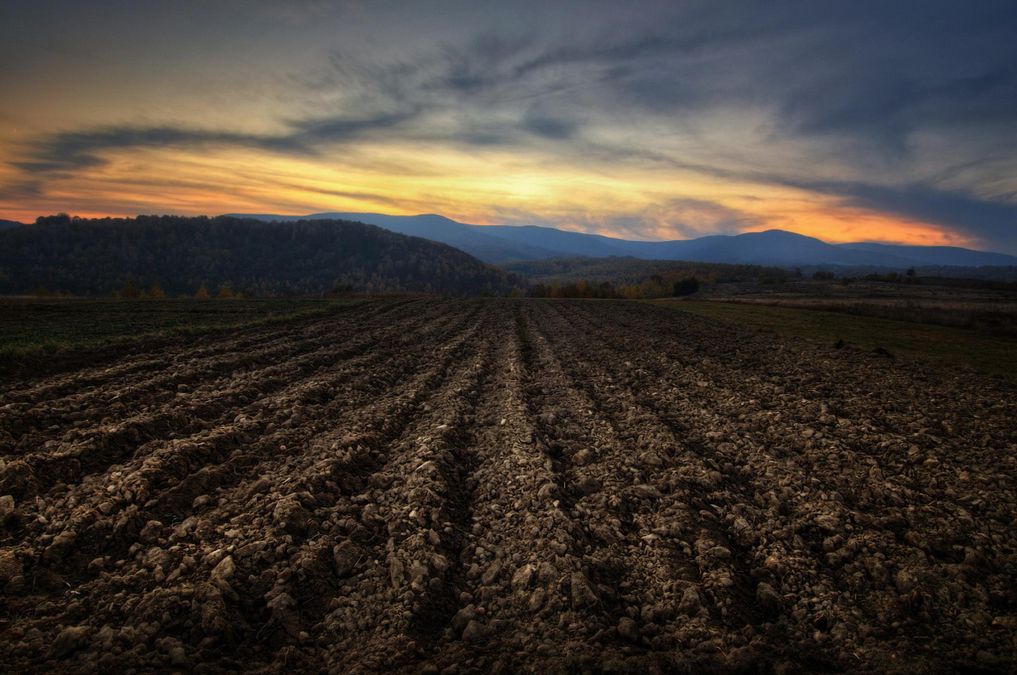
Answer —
(990, 353)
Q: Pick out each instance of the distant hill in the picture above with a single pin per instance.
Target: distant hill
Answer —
(927, 256)
(8, 224)
(96, 257)
(504, 243)
(473, 239)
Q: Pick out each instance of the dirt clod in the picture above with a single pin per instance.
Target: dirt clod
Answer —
(67, 641)
(627, 629)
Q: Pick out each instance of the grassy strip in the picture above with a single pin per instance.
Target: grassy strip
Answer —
(997, 318)
(29, 329)
(953, 346)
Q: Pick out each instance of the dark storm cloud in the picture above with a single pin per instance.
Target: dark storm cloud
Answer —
(878, 72)
(312, 132)
(67, 152)
(983, 219)
(71, 151)
(550, 127)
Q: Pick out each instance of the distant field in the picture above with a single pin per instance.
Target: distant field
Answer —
(999, 318)
(981, 351)
(988, 310)
(32, 327)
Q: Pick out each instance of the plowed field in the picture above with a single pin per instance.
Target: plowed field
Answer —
(505, 485)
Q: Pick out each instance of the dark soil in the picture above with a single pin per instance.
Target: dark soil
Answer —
(506, 485)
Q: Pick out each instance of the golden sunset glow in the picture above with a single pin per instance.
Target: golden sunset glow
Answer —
(496, 188)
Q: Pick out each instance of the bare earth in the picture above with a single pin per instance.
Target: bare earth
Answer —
(499, 485)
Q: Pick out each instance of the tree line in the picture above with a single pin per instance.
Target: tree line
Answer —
(152, 256)
(654, 287)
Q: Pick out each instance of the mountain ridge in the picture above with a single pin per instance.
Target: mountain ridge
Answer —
(499, 244)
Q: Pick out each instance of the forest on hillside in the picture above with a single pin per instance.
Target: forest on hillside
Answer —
(183, 256)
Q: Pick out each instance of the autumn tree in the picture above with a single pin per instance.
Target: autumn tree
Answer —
(129, 291)
(686, 286)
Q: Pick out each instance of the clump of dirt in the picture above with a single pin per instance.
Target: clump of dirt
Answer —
(499, 485)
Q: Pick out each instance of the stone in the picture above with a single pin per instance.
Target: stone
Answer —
(346, 555)
(151, 532)
(59, 547)
(224, 570)
(628, 630)
(905, 581)
(396, 572)
(828, 522)
(178, 657)
(463, 617)
(690, 603)
(536, 599)
(474, 633)
(523, 577)
(491, 573)
(284, 612)
(645, 491)
(418, 574)
(744, 532)
(582, 594)
(10, 566)
(291, 516)
(547, 492)
(767, 597)
(588, 485)
(67, 641)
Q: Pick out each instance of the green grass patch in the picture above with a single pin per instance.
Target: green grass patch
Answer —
(943, 344)
(29, 328)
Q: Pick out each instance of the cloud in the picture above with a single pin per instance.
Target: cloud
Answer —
(992, 223)
(673, 218)
(821, 73)
(557, 125)
(837, 99)
(67, 152)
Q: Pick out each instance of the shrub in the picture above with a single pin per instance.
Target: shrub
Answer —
(686, 286)
(129, 291)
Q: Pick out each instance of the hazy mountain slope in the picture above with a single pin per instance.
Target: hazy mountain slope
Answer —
(302, 257)
(505, 243)
(559, 242)
(937, 255)
(472, 239)
(773, 247)
(8, 224)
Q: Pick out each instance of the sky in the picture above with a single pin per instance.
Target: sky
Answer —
(863, 120)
